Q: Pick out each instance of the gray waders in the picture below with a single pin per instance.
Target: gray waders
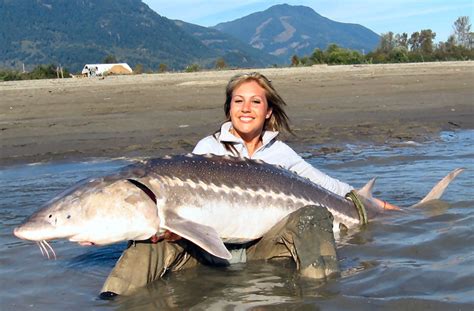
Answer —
(305, 235)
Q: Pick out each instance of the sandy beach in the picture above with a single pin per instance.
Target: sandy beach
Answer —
(152, 115)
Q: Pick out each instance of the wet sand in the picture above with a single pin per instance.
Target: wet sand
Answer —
(156, 114)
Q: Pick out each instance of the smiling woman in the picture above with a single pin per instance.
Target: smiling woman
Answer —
(255, 116)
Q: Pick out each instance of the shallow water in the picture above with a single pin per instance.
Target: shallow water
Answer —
(421, 259)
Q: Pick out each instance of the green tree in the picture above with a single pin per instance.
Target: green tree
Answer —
(193, 68)
(387, 42)
(414, 41)
(10, 75)
(451, 43)
(44, 72)
(305, 61)
(401, 40)
(377, 57)
(220, 63)
(50, 71)
(398, 55)
(295, 60)
(138, 69)
(331, 48)
(340, 56)
(317, 57)
(110, 59)
(426, 41)
(162, 68)
(462, 28)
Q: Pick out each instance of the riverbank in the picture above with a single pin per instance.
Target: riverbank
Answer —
(157, 114)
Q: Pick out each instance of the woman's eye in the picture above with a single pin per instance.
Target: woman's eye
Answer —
(256, 102)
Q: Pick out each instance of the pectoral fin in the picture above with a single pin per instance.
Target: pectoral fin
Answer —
(201, 235)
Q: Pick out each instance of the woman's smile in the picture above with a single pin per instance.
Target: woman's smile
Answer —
(246, 119)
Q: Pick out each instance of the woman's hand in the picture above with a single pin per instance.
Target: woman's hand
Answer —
(385, 205)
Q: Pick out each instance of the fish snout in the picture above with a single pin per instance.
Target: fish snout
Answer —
(24, 233)
(19, 233)
(33, 232)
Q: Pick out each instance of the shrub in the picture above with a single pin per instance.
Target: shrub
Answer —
(193, 68)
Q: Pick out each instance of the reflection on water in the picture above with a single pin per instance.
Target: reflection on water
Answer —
(420, 259)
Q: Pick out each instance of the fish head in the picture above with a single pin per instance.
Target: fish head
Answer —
(96, 211)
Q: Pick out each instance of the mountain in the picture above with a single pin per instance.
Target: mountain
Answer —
(233, 51)
(76, 32)
(284, 30)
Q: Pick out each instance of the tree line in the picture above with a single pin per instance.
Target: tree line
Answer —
(392, 48)
(50, 71)
(399, 48)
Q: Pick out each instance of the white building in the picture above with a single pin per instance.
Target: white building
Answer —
(92, 70)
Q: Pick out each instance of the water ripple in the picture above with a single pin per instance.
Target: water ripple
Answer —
(421, 258)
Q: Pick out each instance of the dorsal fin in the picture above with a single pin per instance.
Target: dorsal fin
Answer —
(440, 187)
(366, 191)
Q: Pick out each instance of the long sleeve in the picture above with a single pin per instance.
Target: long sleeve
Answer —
(277, 153)
(304, 169)
(280, 153)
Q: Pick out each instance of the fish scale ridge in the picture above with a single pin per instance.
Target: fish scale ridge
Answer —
(269, 177)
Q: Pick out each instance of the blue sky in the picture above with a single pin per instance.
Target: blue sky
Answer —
(378, 15)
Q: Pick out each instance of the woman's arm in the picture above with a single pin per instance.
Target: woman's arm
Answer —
(304, 169)
(281, 154)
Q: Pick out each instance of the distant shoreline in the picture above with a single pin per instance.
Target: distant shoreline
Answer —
(187, 76)
(155, 114)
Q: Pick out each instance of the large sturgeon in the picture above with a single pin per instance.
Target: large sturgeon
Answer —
(209, 200)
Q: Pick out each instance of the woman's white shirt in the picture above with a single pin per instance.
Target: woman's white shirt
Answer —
(272, 151)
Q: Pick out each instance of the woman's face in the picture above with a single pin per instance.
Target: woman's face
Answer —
(249, 110)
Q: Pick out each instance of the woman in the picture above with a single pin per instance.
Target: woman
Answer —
(255, 115)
